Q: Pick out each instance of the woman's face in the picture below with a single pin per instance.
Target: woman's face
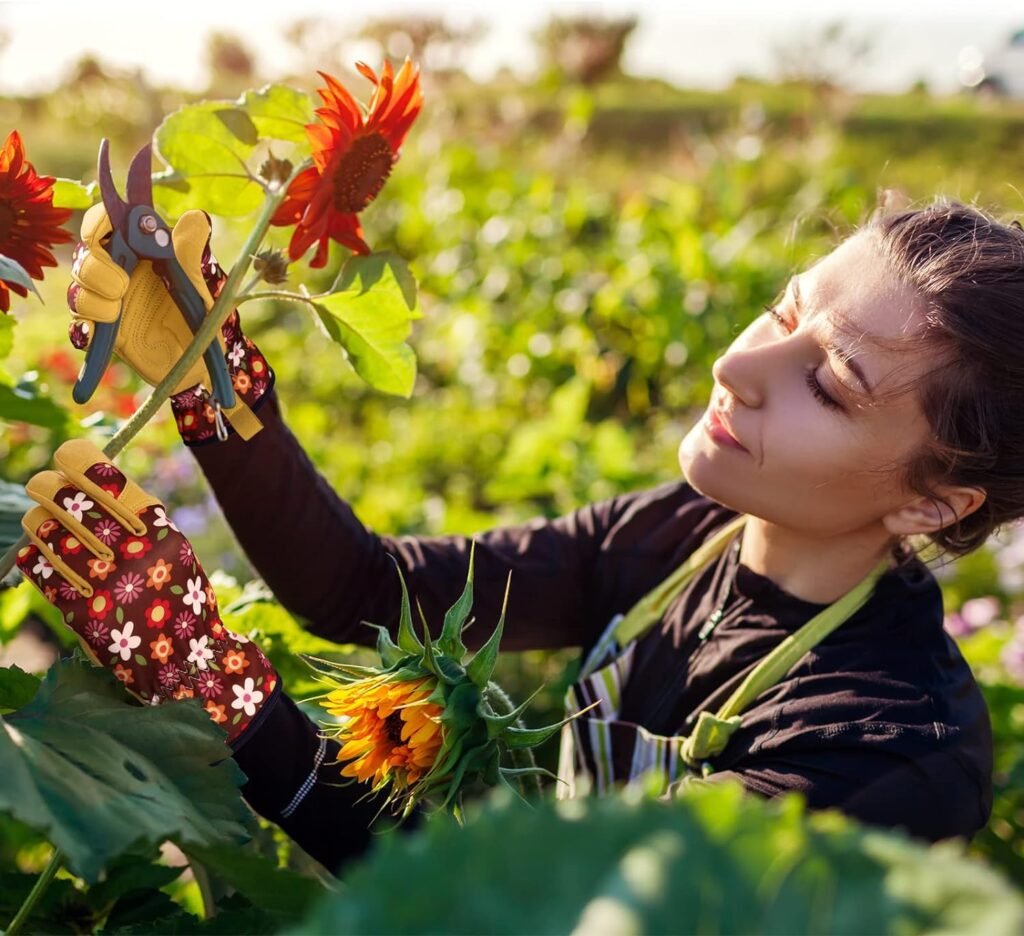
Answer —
(811, 465)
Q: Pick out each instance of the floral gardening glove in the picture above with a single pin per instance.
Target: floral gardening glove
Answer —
(128, 584)
(154, 334)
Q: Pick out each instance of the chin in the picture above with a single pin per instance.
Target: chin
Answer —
(702, 471)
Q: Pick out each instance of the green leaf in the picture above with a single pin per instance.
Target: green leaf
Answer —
(407, 638)
(221, 194)
(277, 890)
(119, 614)
(70, 193)
(13, 272)
(16, 687)
(97, 774)
(450, 641)
(714, 861)
(481, 666)
(369, 314)
(14, 502)
(206, 146)
(177, 590)
(239, 125)
(279, 113)
(23, 404)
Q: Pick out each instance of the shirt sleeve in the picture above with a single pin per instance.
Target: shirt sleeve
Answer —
(333, 573)
(295, 782)
(933, 798)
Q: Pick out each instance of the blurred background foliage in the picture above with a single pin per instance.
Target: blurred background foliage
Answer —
(586, 244)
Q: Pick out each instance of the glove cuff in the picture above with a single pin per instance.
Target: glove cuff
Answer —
(251, 377)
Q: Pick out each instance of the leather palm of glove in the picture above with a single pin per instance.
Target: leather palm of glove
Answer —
(154, 333)
(128, 583)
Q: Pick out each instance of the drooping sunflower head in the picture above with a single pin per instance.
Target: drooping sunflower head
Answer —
(429, 724)
(29, 224)
(389, 731)
(353, 155)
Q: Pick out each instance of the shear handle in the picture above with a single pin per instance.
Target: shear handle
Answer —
(98, 354)
(194, 309)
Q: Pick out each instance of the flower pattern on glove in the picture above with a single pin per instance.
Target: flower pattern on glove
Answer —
(251, 375)
(152, 617)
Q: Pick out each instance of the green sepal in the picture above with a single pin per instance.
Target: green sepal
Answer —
(516, 738)
(330, 667)
(460, 711)
(407, 638)
(496, 724)
(529, 772)
(454, 620)
(481, 666)
(390, 653)
(466, 762)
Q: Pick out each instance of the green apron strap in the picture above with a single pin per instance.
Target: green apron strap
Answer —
(651, 608)
(712, 732)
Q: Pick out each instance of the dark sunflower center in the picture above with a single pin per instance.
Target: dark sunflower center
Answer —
(7, 219)
(361, 173)
(393, 727)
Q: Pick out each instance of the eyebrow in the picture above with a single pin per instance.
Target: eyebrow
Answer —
(849, 361)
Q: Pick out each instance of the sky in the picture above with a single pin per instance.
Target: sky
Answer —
(694, 44)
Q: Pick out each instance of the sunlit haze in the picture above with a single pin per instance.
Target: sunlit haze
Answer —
(694, 44)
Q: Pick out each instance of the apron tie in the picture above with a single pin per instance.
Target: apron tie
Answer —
(708, 738)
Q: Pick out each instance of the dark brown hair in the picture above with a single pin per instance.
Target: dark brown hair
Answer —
(968, 270)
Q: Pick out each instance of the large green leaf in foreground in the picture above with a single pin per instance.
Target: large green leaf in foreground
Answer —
(714, 861)
(96, 773)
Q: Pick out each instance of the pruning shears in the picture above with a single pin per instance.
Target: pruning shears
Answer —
(140, 233)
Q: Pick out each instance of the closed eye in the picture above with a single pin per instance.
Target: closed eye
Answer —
(810, 376)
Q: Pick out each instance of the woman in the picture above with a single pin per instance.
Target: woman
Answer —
(876, 401)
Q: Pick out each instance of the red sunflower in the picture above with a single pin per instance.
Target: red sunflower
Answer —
(353, 156)
(29, 223)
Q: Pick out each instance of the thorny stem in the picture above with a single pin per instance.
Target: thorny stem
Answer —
(521, 757)
(42, 882)
(206, 335)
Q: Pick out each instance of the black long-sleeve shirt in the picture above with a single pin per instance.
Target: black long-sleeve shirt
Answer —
(882, 720)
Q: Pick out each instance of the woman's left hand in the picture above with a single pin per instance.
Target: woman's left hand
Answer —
(128, 583)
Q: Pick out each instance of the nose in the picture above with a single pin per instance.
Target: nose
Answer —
(731, 371)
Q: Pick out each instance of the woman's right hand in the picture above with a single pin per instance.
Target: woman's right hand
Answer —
(153, 333)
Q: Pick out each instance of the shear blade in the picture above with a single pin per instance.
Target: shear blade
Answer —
(117, 209)
(140, 177)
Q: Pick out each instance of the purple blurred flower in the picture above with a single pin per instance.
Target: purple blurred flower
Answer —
(974, 614)
(1012, 657)
(978, 612)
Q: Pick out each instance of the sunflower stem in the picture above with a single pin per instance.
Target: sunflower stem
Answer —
(42, 882)
(203, 338)
(521, 757)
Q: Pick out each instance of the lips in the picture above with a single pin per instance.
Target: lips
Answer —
(720, 429)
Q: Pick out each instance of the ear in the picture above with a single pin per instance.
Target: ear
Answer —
(922, 515)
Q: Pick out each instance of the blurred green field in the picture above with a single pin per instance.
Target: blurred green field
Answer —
(583, 257)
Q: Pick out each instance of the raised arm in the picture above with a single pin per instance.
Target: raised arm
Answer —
(327, 568)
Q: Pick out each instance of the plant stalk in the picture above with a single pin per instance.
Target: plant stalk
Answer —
(203, 338)
(521, 757)
(42, 882)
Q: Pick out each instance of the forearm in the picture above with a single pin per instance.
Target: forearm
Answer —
(293, 781)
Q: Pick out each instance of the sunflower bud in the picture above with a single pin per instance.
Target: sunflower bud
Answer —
(272, 266)
(428, 723)
(276, 171)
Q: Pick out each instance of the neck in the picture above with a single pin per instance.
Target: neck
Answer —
(815, 569)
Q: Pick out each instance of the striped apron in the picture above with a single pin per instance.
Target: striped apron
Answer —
(599, 752)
